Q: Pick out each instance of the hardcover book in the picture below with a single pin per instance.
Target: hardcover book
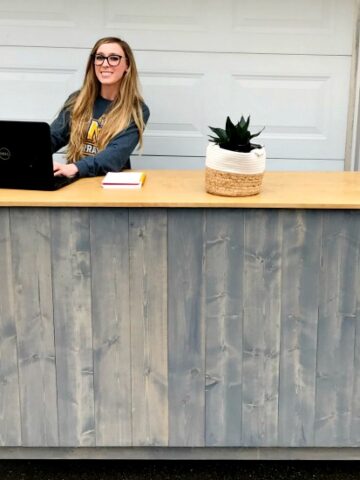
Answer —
(126, 180)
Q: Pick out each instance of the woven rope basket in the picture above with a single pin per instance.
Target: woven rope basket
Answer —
(234, 174)
(232, 184)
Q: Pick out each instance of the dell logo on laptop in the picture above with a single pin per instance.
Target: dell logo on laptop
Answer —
(5, 153)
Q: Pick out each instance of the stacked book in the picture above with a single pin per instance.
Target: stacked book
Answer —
(131, 180)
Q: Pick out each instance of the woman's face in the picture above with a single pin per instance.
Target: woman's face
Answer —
(109, 71)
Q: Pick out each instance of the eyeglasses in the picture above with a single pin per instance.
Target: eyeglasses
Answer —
(113, 60)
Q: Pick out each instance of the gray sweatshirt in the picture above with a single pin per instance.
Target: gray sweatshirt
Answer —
(116, 155)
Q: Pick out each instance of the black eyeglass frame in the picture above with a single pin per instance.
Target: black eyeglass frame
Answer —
(95, 55)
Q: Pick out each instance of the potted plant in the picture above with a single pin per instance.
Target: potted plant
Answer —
(234, 165)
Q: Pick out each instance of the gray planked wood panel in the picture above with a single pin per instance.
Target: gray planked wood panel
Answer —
(355, 417)
(338, 309)
(262, 342)
(224, 268)
(73, 329)
(109, 240)
(186, 327)
(301, 249)
(148, 307)
(10, 420)
(261, 333)
(31, 263)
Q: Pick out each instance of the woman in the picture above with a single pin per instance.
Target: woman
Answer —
(104, 121)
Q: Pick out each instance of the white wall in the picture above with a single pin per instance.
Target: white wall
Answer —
(285, 62)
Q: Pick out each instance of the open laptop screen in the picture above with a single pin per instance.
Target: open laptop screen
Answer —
(26, 158)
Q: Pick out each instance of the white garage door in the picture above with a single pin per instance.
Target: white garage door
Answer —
(284, 62)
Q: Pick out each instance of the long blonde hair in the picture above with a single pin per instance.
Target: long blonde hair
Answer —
(127, 106)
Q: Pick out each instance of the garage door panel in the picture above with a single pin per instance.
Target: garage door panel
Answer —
(35, 83)
(277, 26)
(306, 27)
(45, 88)
(301, 101)
(303, 105)
(37, 13)
(147, 162)
(176, 103)
(186, 15)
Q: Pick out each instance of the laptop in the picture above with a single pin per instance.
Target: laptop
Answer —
(25, 157)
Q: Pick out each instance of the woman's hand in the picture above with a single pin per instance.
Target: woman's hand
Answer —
(69, 170)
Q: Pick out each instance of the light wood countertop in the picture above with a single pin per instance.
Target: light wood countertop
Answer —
(186, 188)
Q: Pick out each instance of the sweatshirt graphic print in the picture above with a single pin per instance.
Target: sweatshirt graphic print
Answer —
(91, 143)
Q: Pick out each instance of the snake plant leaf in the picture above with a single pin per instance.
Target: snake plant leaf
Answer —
(221, 133)
(230, 127)
(256, 134)
(244, 123)
(216, 140)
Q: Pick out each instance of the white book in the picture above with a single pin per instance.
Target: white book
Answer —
(127, 180)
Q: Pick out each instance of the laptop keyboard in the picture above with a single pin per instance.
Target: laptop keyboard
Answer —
(60, 182)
